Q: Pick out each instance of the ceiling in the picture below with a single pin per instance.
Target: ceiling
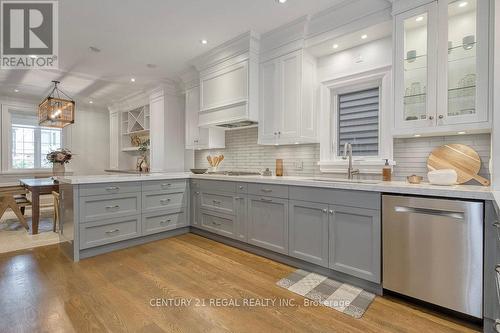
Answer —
(133, 33)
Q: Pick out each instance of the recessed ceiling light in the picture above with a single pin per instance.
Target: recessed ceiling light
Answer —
(132, 79)
(463, 4)
(91, 102)
(281, 1)
(364, 36)
(335, 46)
(462, 132)
(417, 135)
(16, 90)
(204, 41)
(420, 18)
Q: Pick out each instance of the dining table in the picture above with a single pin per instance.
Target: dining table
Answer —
(38, 187)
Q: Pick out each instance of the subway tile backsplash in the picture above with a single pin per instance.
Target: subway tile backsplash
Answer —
(242, 153)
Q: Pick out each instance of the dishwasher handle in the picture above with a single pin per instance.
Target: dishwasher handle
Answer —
(430, 211)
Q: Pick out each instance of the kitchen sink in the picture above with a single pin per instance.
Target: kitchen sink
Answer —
(350, 181)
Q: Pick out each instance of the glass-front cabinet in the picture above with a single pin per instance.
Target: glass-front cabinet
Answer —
(441, 67)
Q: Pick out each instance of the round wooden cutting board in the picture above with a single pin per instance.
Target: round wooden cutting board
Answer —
(462, 158)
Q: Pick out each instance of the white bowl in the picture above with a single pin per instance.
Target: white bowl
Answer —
(445, 177)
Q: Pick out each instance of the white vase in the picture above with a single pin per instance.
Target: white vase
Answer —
(58, 169)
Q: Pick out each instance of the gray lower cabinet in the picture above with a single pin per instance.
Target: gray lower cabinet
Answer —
(267, 223)
(240, 208)
(99, 207)
(355, 242)
(492, 268)
(109, 231)
(222, 224)
(308, 224)
(156, 222)
(194, 207)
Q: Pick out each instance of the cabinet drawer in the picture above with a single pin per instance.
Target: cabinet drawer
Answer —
(362, 199)
(217, 186)
(217, 223)
(278, 191)
(242, 188)
(176, 185)
(100, 207)
(223, 203)
(110, 231)
(153, 223)
(109, 188)
(162, 200)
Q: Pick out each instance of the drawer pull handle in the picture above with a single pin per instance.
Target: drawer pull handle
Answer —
(112, 231)
(266, 200)
(238, 198)
(113, 207)
(497, 325)
(267, 190)
(216, 202)
(216, 224)
(166, 185)
(332, 212)
(112, 188)
(165, 221)
(325, 210)
(241, 187)
(164, 201)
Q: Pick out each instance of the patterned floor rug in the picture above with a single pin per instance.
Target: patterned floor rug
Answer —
(340, 296)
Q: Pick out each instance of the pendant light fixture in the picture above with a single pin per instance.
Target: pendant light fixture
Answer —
(57, 109)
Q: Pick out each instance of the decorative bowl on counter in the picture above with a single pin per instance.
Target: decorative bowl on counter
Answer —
(445, 177)
(198, 171)
(414, 179)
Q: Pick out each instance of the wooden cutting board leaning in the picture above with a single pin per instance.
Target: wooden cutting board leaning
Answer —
(461, 158)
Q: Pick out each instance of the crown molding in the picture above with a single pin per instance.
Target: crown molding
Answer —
(246, 43)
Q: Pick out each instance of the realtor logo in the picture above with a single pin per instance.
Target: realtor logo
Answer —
(29, 34)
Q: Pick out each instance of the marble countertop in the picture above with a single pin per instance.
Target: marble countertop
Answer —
(457, 191)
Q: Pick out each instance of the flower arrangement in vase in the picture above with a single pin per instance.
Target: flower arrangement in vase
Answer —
(59, 158)
(142, 161)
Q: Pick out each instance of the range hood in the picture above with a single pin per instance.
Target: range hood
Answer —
(238, 124)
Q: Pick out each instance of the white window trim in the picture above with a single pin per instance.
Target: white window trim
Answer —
(330, 162)
(6, 138)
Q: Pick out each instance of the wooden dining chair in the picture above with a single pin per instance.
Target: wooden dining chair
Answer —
(55, 195)
(14, 197)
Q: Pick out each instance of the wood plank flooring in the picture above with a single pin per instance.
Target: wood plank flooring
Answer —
(42, 291)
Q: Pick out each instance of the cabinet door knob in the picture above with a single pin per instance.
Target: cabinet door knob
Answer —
(275, 133)
(431, 117)
(441, 116)
(325, 210)
(332, 212)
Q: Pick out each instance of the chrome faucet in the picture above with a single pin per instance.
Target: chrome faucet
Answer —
(348, 155)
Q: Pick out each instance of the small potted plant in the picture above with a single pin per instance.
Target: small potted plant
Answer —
(59, 158)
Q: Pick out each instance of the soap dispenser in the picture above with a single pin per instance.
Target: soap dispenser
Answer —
(387, 171)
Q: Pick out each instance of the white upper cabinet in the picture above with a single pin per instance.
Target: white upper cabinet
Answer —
(287, 113)
(229, 83)
(441, 68)
(197, 137)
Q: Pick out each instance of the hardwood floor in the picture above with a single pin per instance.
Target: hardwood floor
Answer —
(42, 291)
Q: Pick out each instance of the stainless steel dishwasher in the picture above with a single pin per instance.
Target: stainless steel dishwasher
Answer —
(433, 251)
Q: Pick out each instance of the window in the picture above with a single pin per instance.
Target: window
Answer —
(30, 143)
(356, 109)
(358, 122)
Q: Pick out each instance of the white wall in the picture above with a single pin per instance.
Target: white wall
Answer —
(88, 139)
(374, 55)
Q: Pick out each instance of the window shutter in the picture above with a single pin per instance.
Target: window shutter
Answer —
(359, 122)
